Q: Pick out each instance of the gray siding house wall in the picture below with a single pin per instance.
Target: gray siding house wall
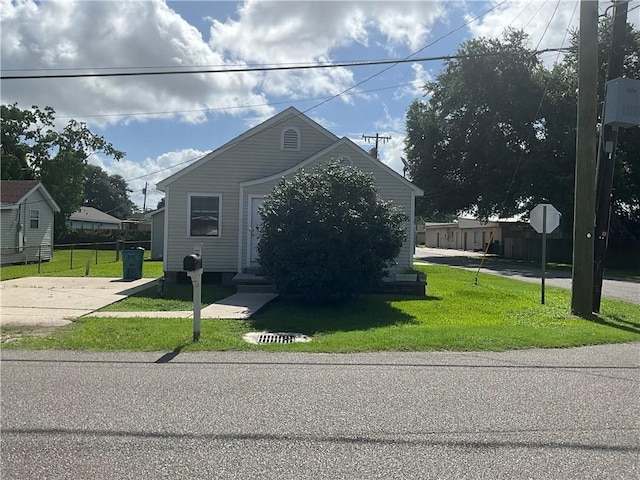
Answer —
(240, 173)
(26, 222)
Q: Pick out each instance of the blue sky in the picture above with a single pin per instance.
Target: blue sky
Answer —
(167, 121)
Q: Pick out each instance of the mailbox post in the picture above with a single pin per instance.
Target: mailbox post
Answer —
(192, 264)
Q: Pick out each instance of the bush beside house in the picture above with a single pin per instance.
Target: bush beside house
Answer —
(327, 234)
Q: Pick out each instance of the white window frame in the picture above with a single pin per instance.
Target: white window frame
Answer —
(219, 197)
(282, 135)
(32, 218)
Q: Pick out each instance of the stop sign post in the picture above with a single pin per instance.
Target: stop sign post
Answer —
(544, 218)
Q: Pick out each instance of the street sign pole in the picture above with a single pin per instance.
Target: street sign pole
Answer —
(544, 218)
(544, 251)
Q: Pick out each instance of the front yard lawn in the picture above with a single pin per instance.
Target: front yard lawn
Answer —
(497, 314)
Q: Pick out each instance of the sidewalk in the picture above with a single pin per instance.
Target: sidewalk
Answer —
(239, 306)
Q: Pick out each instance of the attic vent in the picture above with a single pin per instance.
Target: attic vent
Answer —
(290, 139)
(268, 337)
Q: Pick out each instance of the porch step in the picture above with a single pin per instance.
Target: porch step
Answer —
(252, 283)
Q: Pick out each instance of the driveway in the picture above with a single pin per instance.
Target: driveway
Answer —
(57, 301)
(625, 290)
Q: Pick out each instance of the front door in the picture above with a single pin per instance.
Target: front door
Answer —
(255, 220)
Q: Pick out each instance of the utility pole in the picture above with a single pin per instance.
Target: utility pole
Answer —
(376, 137)
(584, 201)
(606, 155)
(144, 202)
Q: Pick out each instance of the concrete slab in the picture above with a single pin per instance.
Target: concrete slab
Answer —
(239, 307)
(57, 301)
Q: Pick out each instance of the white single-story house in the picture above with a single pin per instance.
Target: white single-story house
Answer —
(27, 211)
(463, 234)
(89, 218)
(212, 205)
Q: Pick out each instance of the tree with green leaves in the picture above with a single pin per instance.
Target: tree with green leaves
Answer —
(108, 193)
(497, 134)
(465, 144)
(327, 234)
(33, 148)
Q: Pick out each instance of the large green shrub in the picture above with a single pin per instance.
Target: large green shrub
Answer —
(327, 234)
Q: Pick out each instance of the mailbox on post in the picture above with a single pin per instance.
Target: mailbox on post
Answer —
(192, 264)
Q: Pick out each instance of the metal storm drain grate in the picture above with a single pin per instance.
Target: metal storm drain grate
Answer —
(279, 337)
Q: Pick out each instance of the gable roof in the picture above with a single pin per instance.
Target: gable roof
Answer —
(14, 192)
(274, 121)
(155, 212)
(90, 214)
(343, 141)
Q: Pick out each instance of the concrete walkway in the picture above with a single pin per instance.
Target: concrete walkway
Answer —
(238, 306)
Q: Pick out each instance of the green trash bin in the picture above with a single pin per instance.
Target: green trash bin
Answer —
(132, 263)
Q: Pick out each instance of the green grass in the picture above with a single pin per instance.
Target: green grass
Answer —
(176, 298)
(64, 265)
(497, 314)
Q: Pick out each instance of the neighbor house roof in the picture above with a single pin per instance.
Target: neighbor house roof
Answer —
(90, 214)
(14, 192)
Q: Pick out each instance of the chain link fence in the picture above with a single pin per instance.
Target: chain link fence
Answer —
(69, 256)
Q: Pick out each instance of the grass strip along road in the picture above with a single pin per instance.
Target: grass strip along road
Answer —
(496, 314)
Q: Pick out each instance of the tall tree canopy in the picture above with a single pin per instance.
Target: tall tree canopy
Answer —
(108, 193)
(32, 148)
(497, 134)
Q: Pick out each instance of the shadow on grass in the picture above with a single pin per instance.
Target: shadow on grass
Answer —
(367, 312)
(615, 322)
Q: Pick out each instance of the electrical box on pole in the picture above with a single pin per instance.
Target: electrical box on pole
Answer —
(622, 103)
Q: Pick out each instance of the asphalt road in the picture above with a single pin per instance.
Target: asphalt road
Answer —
(557, 414)
(625, 290)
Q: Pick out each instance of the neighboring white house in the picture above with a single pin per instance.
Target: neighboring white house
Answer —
(89, 218)
(463, 234)
(27, 212)
(157, 233)
(213, 203)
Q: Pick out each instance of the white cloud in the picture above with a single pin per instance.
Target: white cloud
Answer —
(151, 171)
(415, 87)
(308, 31)
(75, 34)
(71, 35)
(547, 23)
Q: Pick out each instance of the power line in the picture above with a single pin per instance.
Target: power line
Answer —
(224, 109)
(259, 69)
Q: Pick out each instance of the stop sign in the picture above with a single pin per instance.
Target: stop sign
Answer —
(536, 221)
